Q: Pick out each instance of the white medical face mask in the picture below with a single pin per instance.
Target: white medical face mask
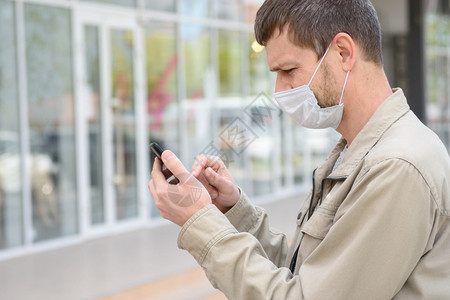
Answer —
(302, 106)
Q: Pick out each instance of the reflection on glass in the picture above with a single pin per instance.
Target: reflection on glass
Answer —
(233, 138)
(262, 151)
(229, 59)
(260, 80)
(131, 3)
(194, 8)
(437, 33)
(11, 230)
(124, 124)
(166, 5)
(162, 88)
(200, 89)
(227, 9)
(51, 119)
(319, 143)
(438, 79)
(298, 153)
(251, 8)
(91, 104)
(230, 101)
(285, 159)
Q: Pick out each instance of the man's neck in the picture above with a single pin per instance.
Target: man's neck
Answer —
(365, 95)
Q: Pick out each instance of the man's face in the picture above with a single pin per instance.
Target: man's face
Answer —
(295, 66)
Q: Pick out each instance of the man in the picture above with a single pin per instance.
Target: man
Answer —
(376, 224)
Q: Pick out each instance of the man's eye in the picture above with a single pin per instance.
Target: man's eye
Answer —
(289, 71)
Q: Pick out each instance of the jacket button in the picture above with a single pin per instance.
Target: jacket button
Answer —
(299, 216)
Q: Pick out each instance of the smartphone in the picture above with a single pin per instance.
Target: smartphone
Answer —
(158, 150)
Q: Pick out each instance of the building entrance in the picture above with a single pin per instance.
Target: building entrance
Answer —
(108, 104)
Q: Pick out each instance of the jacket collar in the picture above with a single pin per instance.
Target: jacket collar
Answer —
(392, 109)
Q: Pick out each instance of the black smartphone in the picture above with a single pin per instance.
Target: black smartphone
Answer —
(158, 150)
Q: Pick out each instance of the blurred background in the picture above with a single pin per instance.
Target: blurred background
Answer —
(86, 85)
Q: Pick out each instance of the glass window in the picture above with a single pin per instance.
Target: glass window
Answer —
(264, 114)
(229, 53)
(124, 123)
(233, 135)
(260, 77)
(309, 149)
(319, 143)
(286, 151)
(251, 7)
(51, 121)
(11, 231)
(131, 3)
(437, 57)
(263, 122)
(227, 9)
(162, 62)
(91, 99)
(200, 84)
(438, 110)
(300, 162)
(194, 8)
(166, 5)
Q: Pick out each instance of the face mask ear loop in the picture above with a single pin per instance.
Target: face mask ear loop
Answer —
(343, 88)
(321, 60)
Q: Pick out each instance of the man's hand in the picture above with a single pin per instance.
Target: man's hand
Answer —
(176, 202)
(216, 178)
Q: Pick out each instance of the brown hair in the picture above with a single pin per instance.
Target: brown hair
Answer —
(314, 23)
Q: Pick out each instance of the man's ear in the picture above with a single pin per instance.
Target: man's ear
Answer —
(347, 50)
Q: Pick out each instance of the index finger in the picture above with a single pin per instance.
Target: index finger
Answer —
(202, 162)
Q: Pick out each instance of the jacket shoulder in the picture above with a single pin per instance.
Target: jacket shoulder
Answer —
(409, 140)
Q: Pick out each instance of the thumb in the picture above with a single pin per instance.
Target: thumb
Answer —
(174, 165)
(215, 179)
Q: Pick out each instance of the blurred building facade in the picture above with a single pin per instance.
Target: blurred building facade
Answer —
(85, 86)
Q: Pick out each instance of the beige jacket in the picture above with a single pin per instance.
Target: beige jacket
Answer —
(378, 227)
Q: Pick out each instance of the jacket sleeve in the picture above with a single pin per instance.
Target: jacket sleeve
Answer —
(246, 217)
(368, 253)
(235, 262)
